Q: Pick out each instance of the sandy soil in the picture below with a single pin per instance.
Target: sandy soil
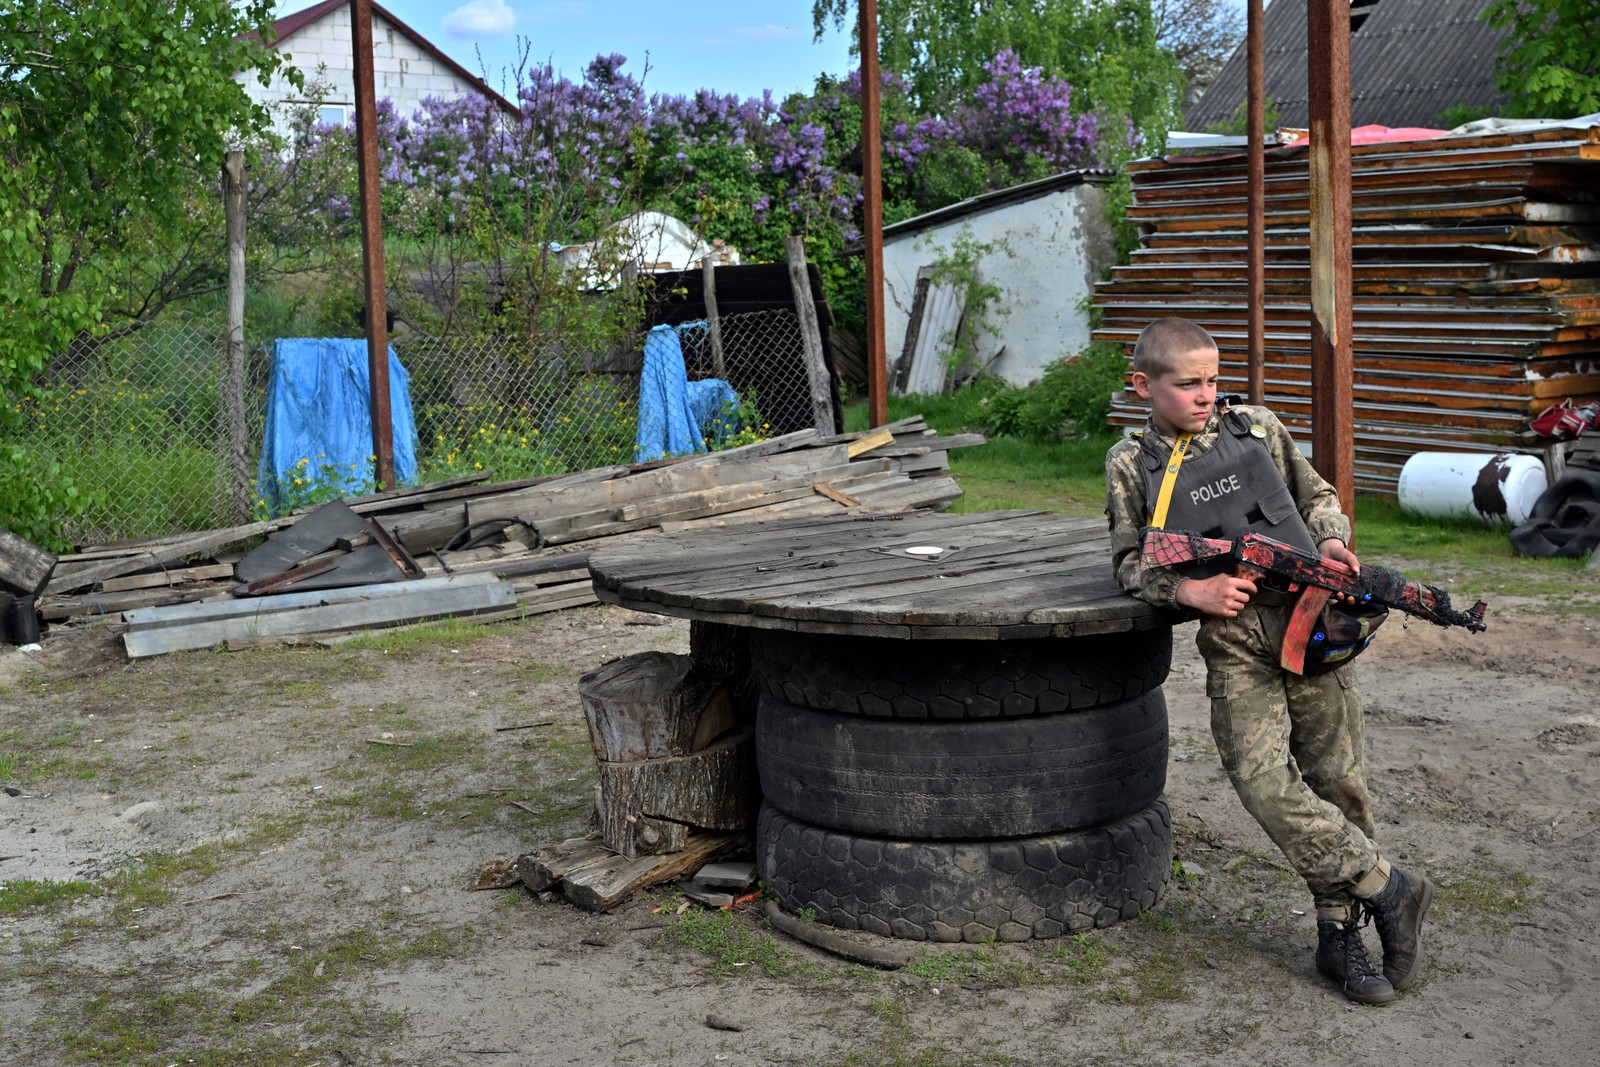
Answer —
(261, 882)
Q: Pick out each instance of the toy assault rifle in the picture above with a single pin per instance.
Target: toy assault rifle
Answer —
(1315, 579)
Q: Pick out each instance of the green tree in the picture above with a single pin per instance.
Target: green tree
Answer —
(109, 113)
(1550, 61)
(1109, 50)
(1201, 35)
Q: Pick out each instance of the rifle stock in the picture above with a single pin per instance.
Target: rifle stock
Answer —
(1263, 555)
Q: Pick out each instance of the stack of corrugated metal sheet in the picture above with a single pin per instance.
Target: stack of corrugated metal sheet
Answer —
(1477, 285)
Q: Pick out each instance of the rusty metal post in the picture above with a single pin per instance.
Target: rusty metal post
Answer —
(872, 212)
(372, 244)
(1256, 268)
(1332, 420)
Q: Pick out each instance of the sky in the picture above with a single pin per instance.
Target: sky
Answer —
(726, 45)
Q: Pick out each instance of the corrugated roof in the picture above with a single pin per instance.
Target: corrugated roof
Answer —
(292, 24)
(1409, 61)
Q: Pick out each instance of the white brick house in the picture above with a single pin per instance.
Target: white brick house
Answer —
(406, 66)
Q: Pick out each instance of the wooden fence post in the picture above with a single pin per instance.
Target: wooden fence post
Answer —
(708, 274)
(810, 336)
(233, 373)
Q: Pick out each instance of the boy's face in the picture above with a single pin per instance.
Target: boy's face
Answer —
(1182, 399)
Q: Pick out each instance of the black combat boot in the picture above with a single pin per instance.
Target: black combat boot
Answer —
(1397, 911)
(1342, 956)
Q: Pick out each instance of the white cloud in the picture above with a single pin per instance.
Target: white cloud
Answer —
(481, 18)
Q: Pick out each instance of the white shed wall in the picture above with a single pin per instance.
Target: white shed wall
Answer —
(1060, 242)
(322, 51)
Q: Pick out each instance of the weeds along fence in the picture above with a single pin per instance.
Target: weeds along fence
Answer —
(141, 422)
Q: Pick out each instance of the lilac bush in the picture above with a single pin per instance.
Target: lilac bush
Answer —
(1025, 119)
(473, 183)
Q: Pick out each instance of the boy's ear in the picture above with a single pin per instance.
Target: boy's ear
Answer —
(1141, 384)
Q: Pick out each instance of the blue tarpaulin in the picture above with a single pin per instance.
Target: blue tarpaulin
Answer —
(676, 416)
(319, 420)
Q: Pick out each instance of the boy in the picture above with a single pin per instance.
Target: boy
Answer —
(1290, 744)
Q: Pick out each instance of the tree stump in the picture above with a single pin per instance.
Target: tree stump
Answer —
(670, 759)
(25, 568)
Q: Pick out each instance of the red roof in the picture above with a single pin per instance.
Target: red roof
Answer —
(289, 25)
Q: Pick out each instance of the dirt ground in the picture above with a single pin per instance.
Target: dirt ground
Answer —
(264, 857)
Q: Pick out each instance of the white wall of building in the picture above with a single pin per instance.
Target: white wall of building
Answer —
(322, 51)
(1060, 243)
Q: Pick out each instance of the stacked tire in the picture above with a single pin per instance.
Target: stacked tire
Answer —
(963, 790)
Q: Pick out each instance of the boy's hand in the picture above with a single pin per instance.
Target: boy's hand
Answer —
(1221, 594)
(1338, 553)
(1336, 550)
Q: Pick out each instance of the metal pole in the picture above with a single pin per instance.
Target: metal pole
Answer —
(872, 212)
(1256, 297)
(1332, 420)
(372, 244)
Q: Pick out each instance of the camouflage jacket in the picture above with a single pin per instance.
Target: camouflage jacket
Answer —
(1127, 510)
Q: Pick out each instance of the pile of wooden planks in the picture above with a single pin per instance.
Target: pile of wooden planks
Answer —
(1477, 285)
(473, 548)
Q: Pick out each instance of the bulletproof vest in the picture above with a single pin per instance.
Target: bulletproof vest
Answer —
(1233, 489)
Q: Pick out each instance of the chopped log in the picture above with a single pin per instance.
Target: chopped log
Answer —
(651, 705)
(546, 866)
(598, 886)
(714, 789)
(656, 837)
(24, 566)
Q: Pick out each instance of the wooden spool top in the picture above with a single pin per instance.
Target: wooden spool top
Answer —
(1003, 575)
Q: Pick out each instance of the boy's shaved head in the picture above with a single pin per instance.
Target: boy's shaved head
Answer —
(1162, 342)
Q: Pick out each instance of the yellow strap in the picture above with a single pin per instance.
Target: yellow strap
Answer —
(1158, 518)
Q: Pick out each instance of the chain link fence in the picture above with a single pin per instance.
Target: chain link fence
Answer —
(140, 422)
(764, 357)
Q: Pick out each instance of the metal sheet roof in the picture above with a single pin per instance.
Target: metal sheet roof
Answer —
(1409, 61)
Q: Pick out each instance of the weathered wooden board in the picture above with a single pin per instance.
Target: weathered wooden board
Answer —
(433, 603)
(1011, 566)
(182, 615)
(167, 577)
(69, 580)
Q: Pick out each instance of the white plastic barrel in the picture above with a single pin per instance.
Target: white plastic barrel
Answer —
(1499, 488)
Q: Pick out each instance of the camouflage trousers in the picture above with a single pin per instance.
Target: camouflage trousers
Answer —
(1292, 747)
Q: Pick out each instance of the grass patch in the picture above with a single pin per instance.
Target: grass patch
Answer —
(298, 1016)
(422, 638)
(729, 944)
(25, 895)
(1486, 891)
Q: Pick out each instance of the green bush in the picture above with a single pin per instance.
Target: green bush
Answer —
(37, 498)
(1071, 401)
